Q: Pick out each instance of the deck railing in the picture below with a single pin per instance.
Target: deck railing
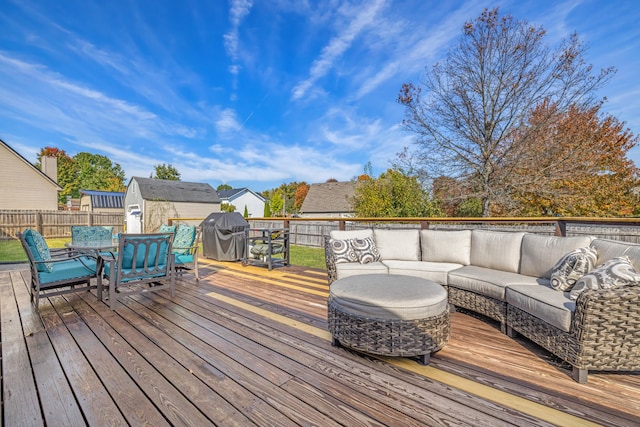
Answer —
(311, 231)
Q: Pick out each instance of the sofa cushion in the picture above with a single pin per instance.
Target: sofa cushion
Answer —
(543, 302)
(398, 244)
(612, 274)
(572, 267)
(435, 271)
(68, 270)
(488, 282)
(446, 246)
(355, 268)
(541, 253)
(496, 250)
(354, 250)
(608, 249)
(351, 234)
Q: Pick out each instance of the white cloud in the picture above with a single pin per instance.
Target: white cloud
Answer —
(227, 122)
(336, 47)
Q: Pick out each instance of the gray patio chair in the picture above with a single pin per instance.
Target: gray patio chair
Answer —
(143, 263)
(57, 271)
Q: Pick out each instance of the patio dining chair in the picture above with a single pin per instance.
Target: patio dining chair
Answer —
(143, 263)
(57, 271)
(185, 248)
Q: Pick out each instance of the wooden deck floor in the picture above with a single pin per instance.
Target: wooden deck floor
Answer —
(245, 346)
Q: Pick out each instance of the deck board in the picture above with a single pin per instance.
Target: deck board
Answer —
(248, 346)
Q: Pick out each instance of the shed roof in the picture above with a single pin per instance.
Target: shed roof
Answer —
(105, 199)
(176, 191)
(329, 197)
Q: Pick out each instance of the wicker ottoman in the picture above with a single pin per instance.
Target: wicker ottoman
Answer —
(389, 315)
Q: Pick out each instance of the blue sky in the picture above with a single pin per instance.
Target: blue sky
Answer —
(255, 93)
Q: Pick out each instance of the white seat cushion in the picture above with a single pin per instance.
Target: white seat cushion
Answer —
(543, 302)
(436, 271)
(488, 282)
(355, 268)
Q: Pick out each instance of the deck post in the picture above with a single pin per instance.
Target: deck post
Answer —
(561, 228)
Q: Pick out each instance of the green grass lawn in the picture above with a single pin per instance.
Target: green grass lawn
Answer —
(11, 251)
(307, 257)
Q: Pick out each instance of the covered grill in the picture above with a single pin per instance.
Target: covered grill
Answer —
(223, 236)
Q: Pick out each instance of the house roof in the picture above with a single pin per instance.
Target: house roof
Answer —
(19, 156)
(235, 192)
(176, 191)
(105, 199)
(329, 197)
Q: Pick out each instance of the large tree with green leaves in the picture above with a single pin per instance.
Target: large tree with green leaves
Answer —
(98, 172)
(392, 194)
(165, 171)
(471, 110)
(84, 171)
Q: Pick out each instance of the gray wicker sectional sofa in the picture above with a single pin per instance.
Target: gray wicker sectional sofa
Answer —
(507, 277)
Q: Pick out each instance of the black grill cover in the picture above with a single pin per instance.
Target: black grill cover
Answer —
(223, 236)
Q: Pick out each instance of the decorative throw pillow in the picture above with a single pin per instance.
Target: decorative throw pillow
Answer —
(342, 251)
(572, 267)
(39, 250)
(362, 250)
(611, 274)
(366, 250)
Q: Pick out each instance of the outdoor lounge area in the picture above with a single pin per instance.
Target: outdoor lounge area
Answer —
(249, 346)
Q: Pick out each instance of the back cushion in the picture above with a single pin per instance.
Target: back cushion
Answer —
(446, 246)
(39, 250)
(401, 245)
(541, 253)
(608, 249)
(351, 234)
(496, 250)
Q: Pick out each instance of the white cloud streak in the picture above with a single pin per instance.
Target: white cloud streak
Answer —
(337, 46)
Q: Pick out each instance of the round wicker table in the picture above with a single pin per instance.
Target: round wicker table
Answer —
(389, 315)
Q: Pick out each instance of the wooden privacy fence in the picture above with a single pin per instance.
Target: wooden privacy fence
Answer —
(55, 223)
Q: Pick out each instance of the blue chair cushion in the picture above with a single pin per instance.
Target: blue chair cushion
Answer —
(39, 250)
(164, 228)
(185, 236)
(127, 254)
(182, 259)
(66, 270)
(83, 233)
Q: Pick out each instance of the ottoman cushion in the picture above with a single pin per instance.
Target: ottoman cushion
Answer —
(389, 297)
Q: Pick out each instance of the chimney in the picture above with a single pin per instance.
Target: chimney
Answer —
(50, 167)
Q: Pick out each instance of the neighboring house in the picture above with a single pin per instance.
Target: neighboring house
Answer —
(25, 187)
(329, 199)
(101, 201)
(149, 202)
(244, 197)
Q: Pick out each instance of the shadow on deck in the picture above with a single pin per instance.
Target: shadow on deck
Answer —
(248, 346)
